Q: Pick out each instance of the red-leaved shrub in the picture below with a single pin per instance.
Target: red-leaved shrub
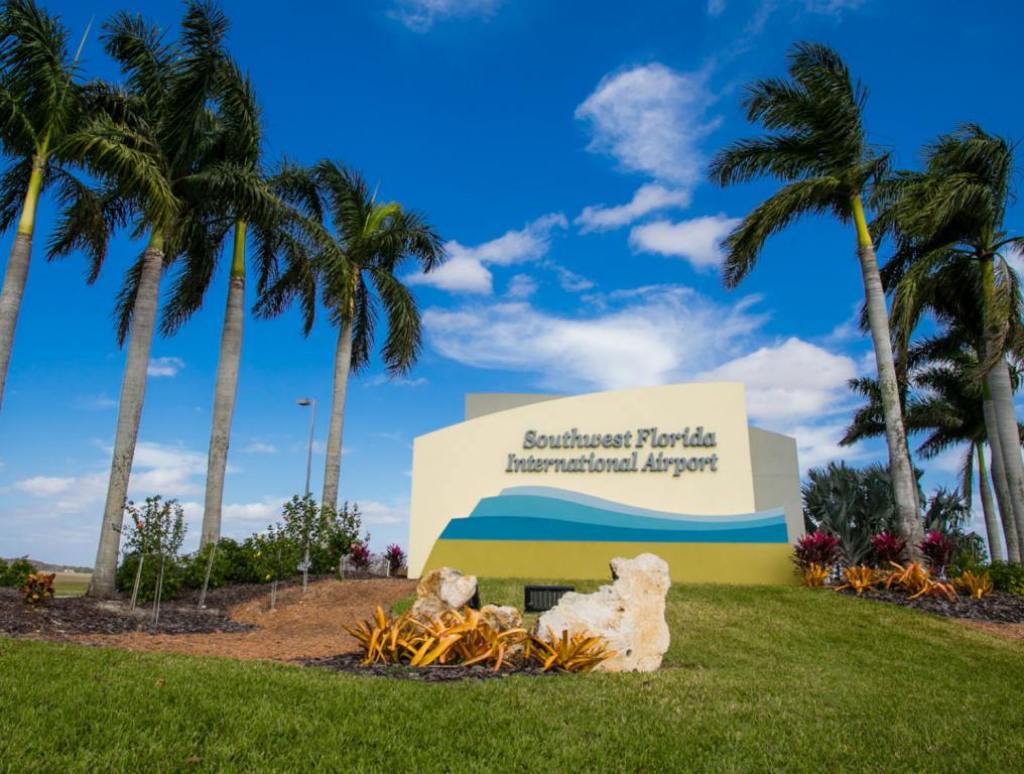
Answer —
(938, 549)
(821, 548)
(888, 548)
(395, 557)
(359, 553)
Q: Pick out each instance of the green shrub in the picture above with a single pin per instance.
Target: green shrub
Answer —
(174, 574)
(1007, 576)
(277, 554)
(15, 574)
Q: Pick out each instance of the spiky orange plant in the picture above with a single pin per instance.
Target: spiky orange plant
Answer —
(917, 581)
(977, 585)
(815, 575)
(565, 653)
(859, 578)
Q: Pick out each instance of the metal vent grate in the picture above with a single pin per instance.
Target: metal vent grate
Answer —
(541, 598)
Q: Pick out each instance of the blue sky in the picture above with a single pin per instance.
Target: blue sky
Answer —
(559, 147)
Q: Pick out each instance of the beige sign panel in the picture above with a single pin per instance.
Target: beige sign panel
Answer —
(535, 470)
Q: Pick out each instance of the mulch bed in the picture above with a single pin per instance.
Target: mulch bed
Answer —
(997, 607)
(352, 664)
(70, 616)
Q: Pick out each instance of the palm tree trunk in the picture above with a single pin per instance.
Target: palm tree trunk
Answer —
(900, 469)
(16, 274)
(129, 413)
(342, 365)
(1000, 390)
(995, 540)
(225, 391)
(999, 480)
(998, 380)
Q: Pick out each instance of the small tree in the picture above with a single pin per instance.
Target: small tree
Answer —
(277, 556)
(340, 532)
(302, 523)
(155, 530)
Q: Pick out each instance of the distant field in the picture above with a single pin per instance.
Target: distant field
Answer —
(71, 584)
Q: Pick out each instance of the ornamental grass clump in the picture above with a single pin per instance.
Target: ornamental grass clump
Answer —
(976, 584)
(917, 581)
(38, 588)
(858, 579)
(464, 638)
(815, 575)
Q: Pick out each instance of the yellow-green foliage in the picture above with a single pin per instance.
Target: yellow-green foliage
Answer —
(977, 585)
(815, 575)
(859, 578)
(917, 581)
(38, 587)
(464, 638)
(578, 653)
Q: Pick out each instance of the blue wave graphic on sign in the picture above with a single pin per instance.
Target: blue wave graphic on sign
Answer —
(549, 514)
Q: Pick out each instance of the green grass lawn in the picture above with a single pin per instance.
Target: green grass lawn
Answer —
(756, 679)
(71, 584)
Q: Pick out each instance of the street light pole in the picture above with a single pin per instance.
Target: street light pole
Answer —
(312, 424)
(311, 402)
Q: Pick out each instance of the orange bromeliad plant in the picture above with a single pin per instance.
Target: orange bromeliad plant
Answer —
(815, 575)
(917, 580)
(977, 585)
(859, 578)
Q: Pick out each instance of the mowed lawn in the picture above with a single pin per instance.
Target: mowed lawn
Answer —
(782, 679)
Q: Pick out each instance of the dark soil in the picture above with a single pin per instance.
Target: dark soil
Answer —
(997, 607)
(69, 616)
(352, 664)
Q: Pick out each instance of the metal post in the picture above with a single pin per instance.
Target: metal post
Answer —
(311, 402)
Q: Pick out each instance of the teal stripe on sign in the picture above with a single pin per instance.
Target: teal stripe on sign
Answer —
(550, 530)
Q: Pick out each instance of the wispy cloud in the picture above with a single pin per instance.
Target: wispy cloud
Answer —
(647, 199)
(259, 447)
(651, 119)
(696, 240)
(165, 366)
(466, 268)
(421, 15)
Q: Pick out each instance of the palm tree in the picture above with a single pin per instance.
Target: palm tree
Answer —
(39, 106)
(242, 197)
(355, 274)
(948, 222)
(818, 149)
(153, 146)
(947, 405)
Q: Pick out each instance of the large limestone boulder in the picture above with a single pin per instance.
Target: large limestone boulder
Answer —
(629, 614)
(441, 590)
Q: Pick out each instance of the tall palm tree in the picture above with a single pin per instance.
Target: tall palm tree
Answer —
(818, 149)
(356, 276)
(947, 405)
(153, 146)
(242, 197)
(39, 106)
(948, 222)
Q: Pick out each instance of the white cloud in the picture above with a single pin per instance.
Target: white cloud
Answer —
(647, 199)
(819, 444)
(165, 366)
(647, 336)
(715, 7)
(259, 447)
(570, 281)
(396, 381)
(521, 286)
(466, 268)
(375, 513)
(1015, 258)
(789, 381)
(651, 119)
(45, 486)
(421, 15)
(696, 240)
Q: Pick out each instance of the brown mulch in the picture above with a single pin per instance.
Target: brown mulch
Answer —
(65, 618)
(303, 626)
(997, 608)
(352, 664)
(306, 625)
